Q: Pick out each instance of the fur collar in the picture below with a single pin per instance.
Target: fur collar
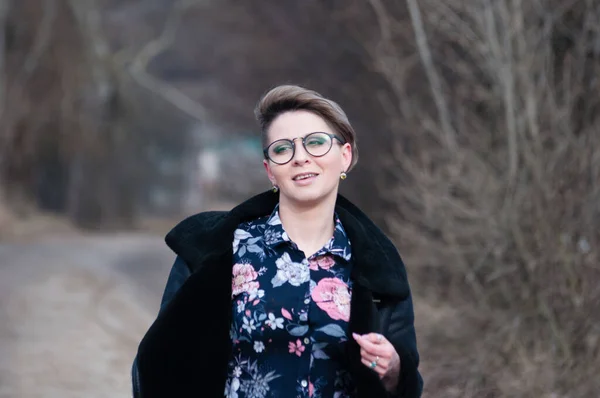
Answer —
(208, 236)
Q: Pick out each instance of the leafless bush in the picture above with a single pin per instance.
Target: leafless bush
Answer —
(496, 184)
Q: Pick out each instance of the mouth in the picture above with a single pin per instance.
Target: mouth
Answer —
(304, 176)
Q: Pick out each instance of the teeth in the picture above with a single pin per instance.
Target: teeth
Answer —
(304, 176)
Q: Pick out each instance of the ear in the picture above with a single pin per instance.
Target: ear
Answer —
(346, 156)
(269, 172)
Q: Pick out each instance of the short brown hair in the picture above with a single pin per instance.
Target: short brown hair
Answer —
(289, 98)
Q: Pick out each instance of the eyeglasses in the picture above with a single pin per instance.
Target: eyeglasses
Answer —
(316, 144)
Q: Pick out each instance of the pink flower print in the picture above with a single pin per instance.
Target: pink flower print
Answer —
(286, 314)
(313, 265)
(243, 280)
(297, 348)
(325, 262)
(333, 296)
(311, 389)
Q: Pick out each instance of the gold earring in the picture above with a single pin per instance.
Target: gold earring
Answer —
(275, 189)
(343, 176)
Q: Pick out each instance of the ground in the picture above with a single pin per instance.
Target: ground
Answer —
(73, 310)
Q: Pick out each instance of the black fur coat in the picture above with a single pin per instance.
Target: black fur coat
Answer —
(183, 355)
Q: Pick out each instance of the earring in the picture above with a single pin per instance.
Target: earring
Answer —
(275, 189)
(343, 176)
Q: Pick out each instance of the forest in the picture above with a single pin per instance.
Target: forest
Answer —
(478, 128)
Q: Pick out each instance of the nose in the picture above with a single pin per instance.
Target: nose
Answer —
(300, 154)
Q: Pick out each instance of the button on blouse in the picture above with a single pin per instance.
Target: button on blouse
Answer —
(290, 314)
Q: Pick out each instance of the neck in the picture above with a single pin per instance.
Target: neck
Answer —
(309, 226)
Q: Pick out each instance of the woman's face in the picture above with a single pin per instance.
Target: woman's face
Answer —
(306, 180)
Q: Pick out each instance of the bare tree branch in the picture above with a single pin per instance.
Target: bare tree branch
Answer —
(90, 23)
(42, 39)
(383, 18)
(154, 48)
(4, 8)
(434, 80)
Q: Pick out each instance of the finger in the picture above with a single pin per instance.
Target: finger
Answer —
(375, 338)
(386, 356)
(383, 363)
(372, 348)
(372, 357)
(377, 368)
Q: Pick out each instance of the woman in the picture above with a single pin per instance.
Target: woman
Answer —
(293, 293)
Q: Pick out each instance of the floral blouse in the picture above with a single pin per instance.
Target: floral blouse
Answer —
(290, 314)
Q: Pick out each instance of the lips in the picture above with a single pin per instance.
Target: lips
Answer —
(304, 176)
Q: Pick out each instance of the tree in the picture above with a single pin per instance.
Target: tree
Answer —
(72, 136)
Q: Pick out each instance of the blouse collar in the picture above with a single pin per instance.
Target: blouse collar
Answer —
(275, 235)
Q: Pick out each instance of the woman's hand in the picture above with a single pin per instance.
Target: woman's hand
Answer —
(379, 354)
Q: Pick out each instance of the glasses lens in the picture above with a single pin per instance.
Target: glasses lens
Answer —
(281, 151)
(317, 144)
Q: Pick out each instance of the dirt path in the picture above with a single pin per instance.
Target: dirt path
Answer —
(72, 311)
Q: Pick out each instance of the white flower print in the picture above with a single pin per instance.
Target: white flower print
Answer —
(249, 325)
(256, 293)
(250, 379)
(237, 371)
(241, 306)
(232, 388)
(289, 271)
(271, 236)
(274, 219)
(259, 346)
(274, 322)
(239, 235)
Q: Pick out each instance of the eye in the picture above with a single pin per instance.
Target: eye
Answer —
(281, 148)
(316, 141)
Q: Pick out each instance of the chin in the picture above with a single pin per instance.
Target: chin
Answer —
(309, 196)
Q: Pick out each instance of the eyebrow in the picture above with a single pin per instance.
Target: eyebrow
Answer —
(303, 136)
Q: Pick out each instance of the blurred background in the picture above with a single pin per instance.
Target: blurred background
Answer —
(479, 133)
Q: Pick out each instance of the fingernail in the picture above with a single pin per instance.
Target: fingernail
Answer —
(356, 336)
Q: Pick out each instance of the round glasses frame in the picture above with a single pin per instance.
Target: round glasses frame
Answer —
(304, 139)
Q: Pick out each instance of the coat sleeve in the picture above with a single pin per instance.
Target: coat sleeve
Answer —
(401, 333)
(177, 277)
